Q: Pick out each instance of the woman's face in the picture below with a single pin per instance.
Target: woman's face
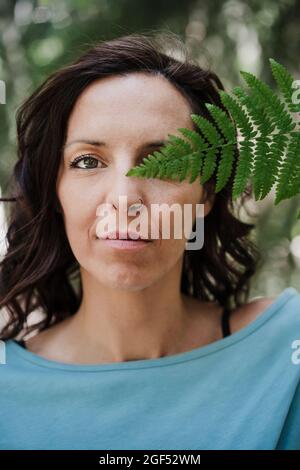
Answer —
(126, 114)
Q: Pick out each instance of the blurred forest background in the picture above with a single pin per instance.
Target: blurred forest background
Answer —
(37, 37)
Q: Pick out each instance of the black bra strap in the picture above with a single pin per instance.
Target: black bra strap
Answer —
(225, 322)
(21, 342)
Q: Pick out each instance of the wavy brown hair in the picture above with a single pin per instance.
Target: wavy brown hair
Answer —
(39, 269)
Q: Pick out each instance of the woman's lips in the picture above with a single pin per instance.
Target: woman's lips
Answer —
(125, 244)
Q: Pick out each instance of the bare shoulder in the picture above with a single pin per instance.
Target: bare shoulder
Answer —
(247, 313)
(209, 315)
(47, 342)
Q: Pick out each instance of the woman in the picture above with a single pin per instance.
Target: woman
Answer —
(134, 347)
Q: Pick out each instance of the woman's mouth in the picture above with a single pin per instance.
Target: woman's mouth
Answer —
(125, 240)
(122, 244)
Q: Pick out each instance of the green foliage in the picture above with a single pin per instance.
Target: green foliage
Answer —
(257, 130)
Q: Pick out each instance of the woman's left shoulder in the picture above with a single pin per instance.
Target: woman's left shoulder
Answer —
(247, 313)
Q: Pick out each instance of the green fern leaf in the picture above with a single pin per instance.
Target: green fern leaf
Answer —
(209, 164)
(276, 109)
(225, 166)
(288, 180)
(208, 129)
(256, 123)
(197, 140)
(244, 168)
(197, 159)
(182, 145)
(224, 124)
(285, 84)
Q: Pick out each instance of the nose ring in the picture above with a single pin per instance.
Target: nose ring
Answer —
(137, 206)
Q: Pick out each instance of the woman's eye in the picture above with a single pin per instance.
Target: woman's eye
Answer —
(86, 161)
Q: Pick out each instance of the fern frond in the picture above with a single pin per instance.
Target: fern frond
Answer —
(269, 147)
(208, 129)
(257, 127)
(238, 114)
(224, 124)
(150, 167)
(228, 131)
(284, 81)
(256, 112)
(197, 140)
(225, 166)
(276, 109)
(244, 168)
(278, 144)
(197, 159)
(261, 169)
(180, 145)
(288, 180)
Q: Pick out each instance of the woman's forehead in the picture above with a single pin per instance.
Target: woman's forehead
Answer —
(141, 100)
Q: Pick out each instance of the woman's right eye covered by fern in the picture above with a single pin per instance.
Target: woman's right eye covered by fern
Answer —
(265, 129)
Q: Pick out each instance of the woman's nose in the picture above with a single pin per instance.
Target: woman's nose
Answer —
(128, 202)
(125, 190)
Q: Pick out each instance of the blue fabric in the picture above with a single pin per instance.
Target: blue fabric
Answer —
(240, 392)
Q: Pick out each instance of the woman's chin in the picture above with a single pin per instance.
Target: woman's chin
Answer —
(131, 279)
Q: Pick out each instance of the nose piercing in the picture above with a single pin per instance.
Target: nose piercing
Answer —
(137, 206)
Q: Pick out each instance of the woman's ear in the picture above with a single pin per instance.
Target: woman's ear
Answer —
(208, 204)
(208, 199)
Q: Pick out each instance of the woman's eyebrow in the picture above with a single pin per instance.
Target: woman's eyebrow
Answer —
(95, 143)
